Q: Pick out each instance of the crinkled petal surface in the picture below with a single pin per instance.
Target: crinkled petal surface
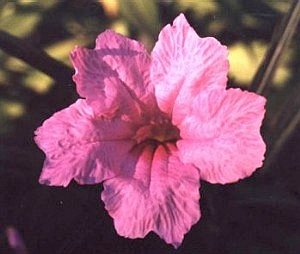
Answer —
(157, 193)
(183, 65)
(222, 137)
(112, 42)
(115, 60)
(82, 146)
(129, 101)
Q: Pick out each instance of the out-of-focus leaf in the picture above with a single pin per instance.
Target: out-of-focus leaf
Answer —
(216, 26)
(35, 57)
(142, 14)
(245, 59)
(20, 24)
(120, 27)
(282, 35)
(250, 21)
(32, 79)
(199, 8)
(289, 116)
(281, 6)
(7, 9)
(3, 77)
(61, 50)
(282, 74)
(42, 4)
(38, 82)
(111, 7)
(16, 65)
(11, 109)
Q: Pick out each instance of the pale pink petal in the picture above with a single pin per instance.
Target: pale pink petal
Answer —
(82, 146)
(156, 193)
(116, 58)
(183, 65)
(129, 59)
(222, 137)
(110, 40)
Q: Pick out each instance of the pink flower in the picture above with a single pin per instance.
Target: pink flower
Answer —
(151, 126)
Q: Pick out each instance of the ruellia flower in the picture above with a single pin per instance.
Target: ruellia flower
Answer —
(150, 126)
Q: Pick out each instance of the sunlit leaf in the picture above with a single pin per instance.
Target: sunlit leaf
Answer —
(6, 9)
(111, 7)
(281, 6)
(282, 74)
(120, 27)
(11, 109)
(20, 24)
(61, 50)
(199, 8)
(38, 82)
(3, 77)
(281, 38)
(43, 4)
(245, 59)
(250, 21)
(32, 79)
(15, 64)
(143, 14)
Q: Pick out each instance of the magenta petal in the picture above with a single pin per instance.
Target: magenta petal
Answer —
(130, 60)
(222, 137)
(110, 40)
(183, 65)
(81, 146)
(158, 193)
(115, 60)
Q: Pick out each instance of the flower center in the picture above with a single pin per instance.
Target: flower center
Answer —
(160, 131)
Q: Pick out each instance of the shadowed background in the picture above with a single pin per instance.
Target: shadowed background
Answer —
(257, 215)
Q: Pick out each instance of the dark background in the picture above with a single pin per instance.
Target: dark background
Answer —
(260, 214)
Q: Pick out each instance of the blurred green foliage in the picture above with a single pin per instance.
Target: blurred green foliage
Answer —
(57, 26)
(27, 97)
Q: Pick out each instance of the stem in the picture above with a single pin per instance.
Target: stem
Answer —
(281, 140)
(279, 42)
(263, 78)
(284, 125)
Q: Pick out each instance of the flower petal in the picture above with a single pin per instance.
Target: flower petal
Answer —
(115, 57)
(158, 193)
(222, 137)
(131, 61)
(80, 145)
(110, 40)
(184, 64)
